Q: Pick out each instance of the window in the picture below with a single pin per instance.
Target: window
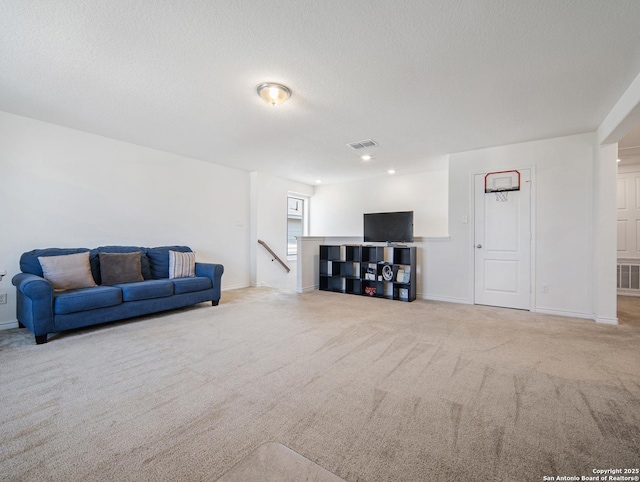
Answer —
(295, 223)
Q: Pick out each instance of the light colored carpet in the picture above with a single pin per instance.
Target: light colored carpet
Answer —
(273, 462)
(369, 389)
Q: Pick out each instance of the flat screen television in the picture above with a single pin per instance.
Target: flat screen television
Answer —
(388, 227)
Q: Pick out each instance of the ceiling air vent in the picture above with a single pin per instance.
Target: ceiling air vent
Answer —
(362, 144)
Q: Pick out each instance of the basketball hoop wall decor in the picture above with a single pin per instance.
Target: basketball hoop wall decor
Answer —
(501, 182)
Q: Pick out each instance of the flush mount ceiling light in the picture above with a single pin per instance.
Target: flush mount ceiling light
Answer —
(274, 94)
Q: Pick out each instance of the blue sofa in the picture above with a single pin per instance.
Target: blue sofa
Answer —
(43, 310)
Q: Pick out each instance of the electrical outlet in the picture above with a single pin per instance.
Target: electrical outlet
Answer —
(3, 298)
(545, 288)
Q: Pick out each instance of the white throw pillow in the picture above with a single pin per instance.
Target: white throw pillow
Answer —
(182, 265)
(68, 271)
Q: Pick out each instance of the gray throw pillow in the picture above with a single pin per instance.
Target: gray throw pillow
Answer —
(118, 268)
(68, 271)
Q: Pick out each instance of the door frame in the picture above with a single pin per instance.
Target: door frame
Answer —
(532, 227)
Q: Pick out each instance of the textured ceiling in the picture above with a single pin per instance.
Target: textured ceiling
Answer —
(421, 77)
(631, 140)
(629, 147)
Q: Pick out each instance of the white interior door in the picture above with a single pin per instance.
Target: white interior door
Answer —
(502, 245)
(629, 215)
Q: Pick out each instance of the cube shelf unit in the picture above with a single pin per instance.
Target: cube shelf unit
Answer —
(359, 270)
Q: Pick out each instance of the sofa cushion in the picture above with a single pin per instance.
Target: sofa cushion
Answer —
(146, 290)
(86, 299)
(144, 260)
(189, 285)
(67, 272)
(117, 268)
(182, 265)
(29, 261)
(159, 259)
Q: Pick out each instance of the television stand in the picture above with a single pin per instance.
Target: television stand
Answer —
(377, 271)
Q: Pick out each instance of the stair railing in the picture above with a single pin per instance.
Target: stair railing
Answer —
(275, 257)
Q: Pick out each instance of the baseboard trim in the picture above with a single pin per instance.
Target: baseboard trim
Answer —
(606, 321)
(446, 299)
(572, 314)
(307, 289)
(7, 325)
(628, 293)
(235, 287)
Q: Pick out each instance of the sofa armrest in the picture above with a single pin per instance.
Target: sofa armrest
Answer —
(214, 272)
(35, 303)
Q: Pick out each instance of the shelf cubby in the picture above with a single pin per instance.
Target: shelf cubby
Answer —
(353, 253)
(402, 256)
(372, 254)
(330, 253)
(353, 286)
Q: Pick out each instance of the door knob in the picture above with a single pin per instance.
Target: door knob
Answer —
(478, 246)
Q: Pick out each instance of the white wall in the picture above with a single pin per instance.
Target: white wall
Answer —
(61, 187)
(65, 188)
(563, 219)
(604, 305)
(562, 200)
(269, 216)
(337, 209)
(308, 273)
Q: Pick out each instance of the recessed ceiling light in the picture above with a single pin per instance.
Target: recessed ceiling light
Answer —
(366, 157)
(318, 181)
(618, 160)
(391, 171)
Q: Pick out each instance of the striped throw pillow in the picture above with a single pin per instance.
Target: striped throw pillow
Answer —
(182, 265)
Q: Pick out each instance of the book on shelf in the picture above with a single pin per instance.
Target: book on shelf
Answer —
(404, 275)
